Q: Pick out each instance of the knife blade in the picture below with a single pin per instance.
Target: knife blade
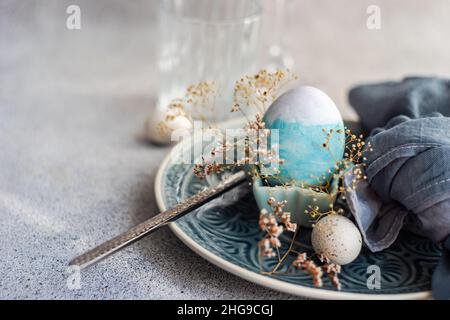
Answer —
(148, 226)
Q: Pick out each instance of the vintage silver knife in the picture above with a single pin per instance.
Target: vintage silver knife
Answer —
(148, 226)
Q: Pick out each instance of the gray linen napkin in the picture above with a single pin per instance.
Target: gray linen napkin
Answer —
(408, 170)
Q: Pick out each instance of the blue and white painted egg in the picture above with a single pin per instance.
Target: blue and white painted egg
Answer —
(302, 116)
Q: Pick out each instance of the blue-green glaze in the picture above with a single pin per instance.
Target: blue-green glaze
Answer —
(305, 150)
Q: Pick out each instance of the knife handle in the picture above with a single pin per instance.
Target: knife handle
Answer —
(148, 226)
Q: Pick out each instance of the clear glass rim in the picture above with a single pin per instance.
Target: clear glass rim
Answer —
(252, 17)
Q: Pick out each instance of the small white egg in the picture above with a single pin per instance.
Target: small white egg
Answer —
(337, 238)
(153, 130)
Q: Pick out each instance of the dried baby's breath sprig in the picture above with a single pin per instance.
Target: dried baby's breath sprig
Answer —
(331, 269)
(314, 211)
(302, 262)
(202, 170)
(269, 224)
(257, 124)
(198, 99)
(283, 216)
(201, 98)
(254, 92)
(260, 90)
(355, 147)
(354, 159)
(273, 224)
(254, 143)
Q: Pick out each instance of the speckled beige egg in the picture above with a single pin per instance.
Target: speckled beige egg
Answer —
(337, 238)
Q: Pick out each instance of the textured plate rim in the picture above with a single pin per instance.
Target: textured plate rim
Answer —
(262, 280)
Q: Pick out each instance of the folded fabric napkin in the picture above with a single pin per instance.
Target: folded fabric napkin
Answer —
(408, 171)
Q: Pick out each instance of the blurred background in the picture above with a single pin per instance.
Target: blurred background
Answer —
(118, 48)
(74, 168)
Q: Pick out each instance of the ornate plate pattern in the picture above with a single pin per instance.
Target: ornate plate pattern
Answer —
(225, 231)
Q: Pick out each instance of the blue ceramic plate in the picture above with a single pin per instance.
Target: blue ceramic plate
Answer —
(225, 232)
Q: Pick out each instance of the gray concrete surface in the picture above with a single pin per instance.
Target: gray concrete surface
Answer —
(74, 169)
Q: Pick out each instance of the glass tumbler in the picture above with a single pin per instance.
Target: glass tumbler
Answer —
(206, 40)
